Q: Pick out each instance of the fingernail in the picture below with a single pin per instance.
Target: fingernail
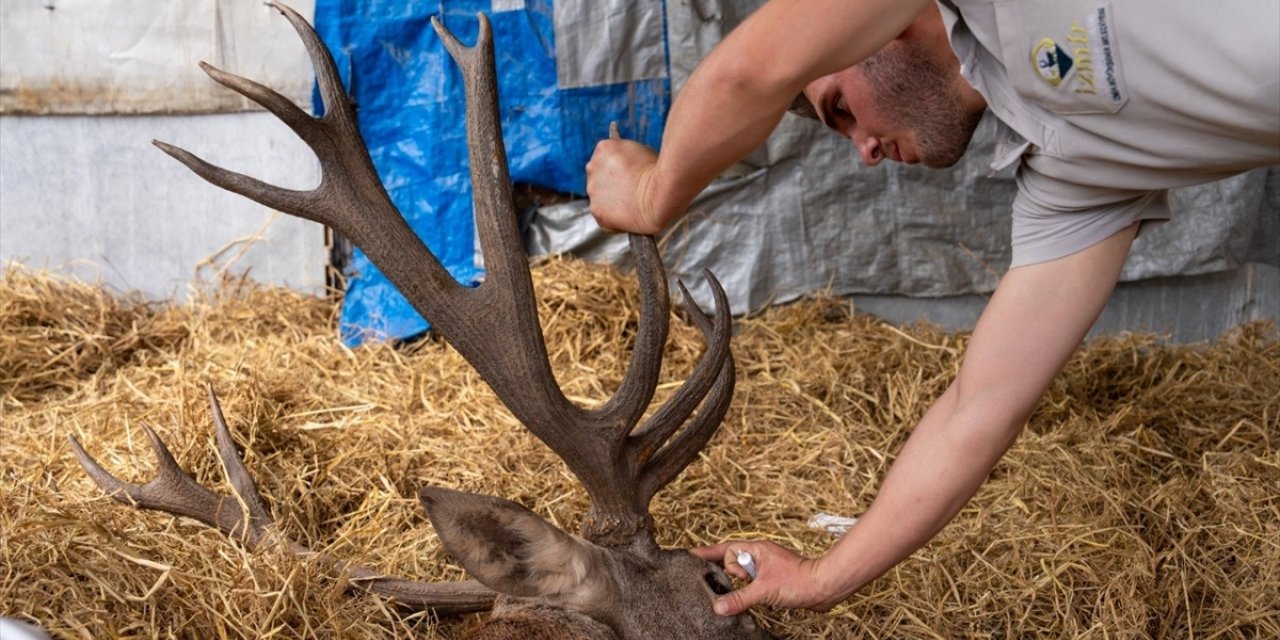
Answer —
(721, 607)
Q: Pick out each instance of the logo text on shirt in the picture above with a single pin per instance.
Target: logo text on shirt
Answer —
(1085, 63)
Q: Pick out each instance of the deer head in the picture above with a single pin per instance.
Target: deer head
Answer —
(613, 581)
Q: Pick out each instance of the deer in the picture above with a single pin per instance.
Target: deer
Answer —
(611, 581)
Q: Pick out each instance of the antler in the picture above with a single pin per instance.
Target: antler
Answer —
(244, 515)
(620, 461)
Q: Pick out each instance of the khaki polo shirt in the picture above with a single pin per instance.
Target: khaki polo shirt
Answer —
(1105, 105)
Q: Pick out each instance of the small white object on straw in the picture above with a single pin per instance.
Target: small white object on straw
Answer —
(838, 525)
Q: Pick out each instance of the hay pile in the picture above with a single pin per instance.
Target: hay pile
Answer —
(1142, 502)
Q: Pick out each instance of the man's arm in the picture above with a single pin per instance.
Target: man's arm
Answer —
(732, 102)
(1033, 323)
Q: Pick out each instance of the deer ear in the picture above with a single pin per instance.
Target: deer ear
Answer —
(512, 550)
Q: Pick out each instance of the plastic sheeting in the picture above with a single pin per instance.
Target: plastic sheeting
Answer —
(91, 197)
(813, 219)
(139, 56)
(802, 214)
(85, 85)
(410, 108)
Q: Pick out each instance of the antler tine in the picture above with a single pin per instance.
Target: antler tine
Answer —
(683, 448)
(298, 203)
(117, 489)
(582, 438)
(496, 225)
(648, 464)
(641, 380)
(499, 332)
(244, 515)
(350, 197)
(172, 491)
(336, 103)
(283, 108)
(233, 466)
(682, 404)
(305, 204)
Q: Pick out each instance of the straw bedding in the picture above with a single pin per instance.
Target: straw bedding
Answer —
(1143, 500)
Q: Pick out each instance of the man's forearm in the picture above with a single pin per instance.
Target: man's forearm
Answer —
(940, 467)
(1035, 320)
(701, 140)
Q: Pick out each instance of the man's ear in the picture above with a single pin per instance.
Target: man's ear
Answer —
(512, 550)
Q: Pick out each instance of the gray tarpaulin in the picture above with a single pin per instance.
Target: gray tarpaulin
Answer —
(802, 214)
(600, 42)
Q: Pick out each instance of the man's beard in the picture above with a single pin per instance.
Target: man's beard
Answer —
(921, 96)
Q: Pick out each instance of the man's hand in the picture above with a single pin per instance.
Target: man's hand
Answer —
(619, 180)
(783, 578)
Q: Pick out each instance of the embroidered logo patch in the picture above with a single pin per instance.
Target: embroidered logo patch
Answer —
(1085, 63)
(1051, 61)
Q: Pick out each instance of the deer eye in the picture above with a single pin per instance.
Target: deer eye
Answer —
(717, 584)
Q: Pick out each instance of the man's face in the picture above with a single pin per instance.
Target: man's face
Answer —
(901, 104)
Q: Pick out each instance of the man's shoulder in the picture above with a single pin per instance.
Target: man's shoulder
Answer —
(1061, 74)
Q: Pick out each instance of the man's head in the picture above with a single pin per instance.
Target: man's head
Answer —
(907, 102)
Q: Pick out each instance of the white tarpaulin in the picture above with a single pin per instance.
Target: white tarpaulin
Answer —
(81, 188)
(140, 56)
(90, 196)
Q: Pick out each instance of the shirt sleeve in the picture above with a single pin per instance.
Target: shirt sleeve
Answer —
(1053, 219)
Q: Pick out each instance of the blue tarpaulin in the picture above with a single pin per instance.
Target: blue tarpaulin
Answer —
(410, 109)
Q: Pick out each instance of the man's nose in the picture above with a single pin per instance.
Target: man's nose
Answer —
(868, 147)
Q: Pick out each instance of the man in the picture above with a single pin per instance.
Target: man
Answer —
(1102, 106)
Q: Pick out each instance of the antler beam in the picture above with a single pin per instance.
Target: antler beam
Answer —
(495, 326)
